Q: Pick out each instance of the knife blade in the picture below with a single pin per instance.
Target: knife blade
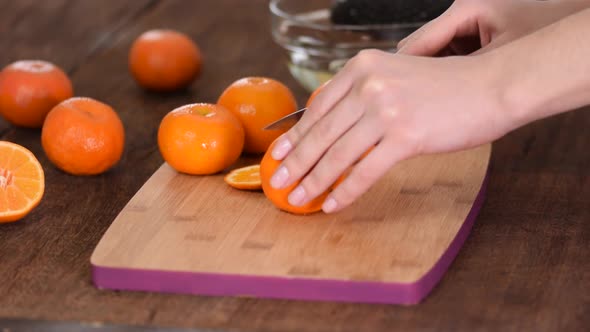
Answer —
(286, 121)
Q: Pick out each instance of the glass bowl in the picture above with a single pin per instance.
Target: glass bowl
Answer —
(315, 48)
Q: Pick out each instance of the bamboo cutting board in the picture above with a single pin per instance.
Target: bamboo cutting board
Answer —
(197, 235)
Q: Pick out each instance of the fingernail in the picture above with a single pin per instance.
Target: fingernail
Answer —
(279, 178)
(297, 196)
(281, 149)
(329, 205)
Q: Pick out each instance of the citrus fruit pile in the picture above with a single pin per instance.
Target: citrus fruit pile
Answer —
(84, 136)
(204, 139)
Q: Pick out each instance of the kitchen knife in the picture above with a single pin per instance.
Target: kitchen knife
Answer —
(286, 121)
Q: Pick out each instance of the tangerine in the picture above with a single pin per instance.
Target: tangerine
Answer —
(279, 197)
(258, 101)
(82, 136)
(164, 60)
(29, 89)
(22, 182)
(200, 139)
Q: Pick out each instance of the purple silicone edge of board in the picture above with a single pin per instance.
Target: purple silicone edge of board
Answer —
(212, 284)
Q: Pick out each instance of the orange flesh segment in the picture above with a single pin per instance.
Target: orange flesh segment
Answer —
(22, 182)
(245, 178)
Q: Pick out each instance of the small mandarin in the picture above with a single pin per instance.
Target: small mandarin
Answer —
(200, 139)
(82, 136)
(279, 197)
(164, 60)
(29, 89)
(258, 101)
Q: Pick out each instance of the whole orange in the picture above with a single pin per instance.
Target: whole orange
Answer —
(258, 101)
(279, 197)
(29, 89)
(200, 139)
(164, 60)
(83, 136)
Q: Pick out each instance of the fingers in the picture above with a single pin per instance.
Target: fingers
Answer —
(432, 37)
(339, 157)
(492, 45)
(413, 36)
(330, 95)
(364, 175)
(315, 143)
(465, 45)
(337, 89)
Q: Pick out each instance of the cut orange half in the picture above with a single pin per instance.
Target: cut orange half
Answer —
(245, 178)
(22, 182)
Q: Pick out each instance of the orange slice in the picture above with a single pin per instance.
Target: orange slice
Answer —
(245, 178)
(22, 182)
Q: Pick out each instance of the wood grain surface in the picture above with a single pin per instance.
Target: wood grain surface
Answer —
(391, 238)
(524, 267)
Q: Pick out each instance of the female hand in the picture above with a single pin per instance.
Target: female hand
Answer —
(401, 105)
(476, 26)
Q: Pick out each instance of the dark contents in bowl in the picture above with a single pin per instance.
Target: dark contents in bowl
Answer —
(361, 12)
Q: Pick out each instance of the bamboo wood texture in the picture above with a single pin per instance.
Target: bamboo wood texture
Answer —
(524, 266)
(394, 234)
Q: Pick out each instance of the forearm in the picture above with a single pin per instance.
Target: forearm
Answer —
(546, 72)
(575, 4)
(563, 8)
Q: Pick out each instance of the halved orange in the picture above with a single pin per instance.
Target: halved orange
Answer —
(245, 178)
(22, 182)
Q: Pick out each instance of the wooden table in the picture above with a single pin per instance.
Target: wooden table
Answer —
(525, 266)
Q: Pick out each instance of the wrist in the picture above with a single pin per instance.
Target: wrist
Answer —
(544, 73)
(512, 104)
